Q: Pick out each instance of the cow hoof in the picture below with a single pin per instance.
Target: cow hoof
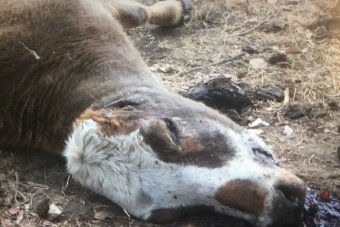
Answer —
(186, 13)
(187, 7)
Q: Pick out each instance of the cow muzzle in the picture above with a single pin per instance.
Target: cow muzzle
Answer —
(277, 206)
(288, 201)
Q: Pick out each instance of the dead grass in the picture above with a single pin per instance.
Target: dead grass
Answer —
(214, 35)
(308, 31)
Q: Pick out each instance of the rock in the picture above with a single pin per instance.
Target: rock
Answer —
(13, 210)
(288, 132)
(166, 69)
(246, 47)
(256, 131)
(235, 116)
(293, 50)
(104, 214)
(54, 210)
(317, 111)
(258, 123)
(42, 207)
(258, 63)
(334, 106)
(233, 99)
(312, 111)
(338, 153)
(280, 59)
(279, 25)
(241, 73)
(270, 92)
(274, 26)
(223, 94)
(293, 2)
(294, 112)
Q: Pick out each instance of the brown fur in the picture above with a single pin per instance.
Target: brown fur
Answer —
(243, 195)
(57, 58)
(111, 123)
(189, 147)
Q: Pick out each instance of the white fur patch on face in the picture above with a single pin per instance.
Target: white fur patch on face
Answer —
(125, 170)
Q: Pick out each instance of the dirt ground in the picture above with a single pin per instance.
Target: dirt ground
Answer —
(306, 31)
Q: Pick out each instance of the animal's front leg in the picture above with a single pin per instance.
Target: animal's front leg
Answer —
(164, 13)
(170, 12)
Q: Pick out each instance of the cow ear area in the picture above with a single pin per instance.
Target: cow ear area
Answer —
(161, 135)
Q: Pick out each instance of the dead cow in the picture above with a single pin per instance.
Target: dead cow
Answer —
(72, 83)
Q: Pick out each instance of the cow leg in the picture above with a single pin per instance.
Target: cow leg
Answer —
(164, 13)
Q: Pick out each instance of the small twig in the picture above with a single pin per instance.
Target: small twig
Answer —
(16, 179)
(32, 198)
(311, 159)
(250, 30)
(224, 61)
(278, 117)
(333, 95)
(36, 185)
(16, 184)
(45, 177)
(78, 224)
(66, 185)
(129, 217)
(294, 95)
(286, 97)
(21, 194)
(2, 223)
(96, 206)
(26, 206)
(301, 136)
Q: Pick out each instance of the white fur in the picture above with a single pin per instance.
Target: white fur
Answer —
(126, 171)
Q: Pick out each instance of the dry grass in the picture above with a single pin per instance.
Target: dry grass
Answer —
(307, 30)
(214, 35)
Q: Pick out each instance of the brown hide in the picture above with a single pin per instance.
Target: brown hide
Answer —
(57, 58)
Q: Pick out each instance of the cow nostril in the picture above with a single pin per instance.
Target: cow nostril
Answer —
(293, 193)
(287, 207)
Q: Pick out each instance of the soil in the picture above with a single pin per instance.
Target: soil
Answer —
(293, 44)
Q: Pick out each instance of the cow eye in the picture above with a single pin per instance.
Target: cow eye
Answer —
(263, 152)
(121, 103)
(161, 135)
(269, 156)
(173, 129)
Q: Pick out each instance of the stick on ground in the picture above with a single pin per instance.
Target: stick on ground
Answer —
(224, 61)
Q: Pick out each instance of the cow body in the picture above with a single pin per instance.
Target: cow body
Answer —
(62, 57)
(72, 82)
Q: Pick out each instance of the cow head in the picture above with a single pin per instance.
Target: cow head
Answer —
(159, 155)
